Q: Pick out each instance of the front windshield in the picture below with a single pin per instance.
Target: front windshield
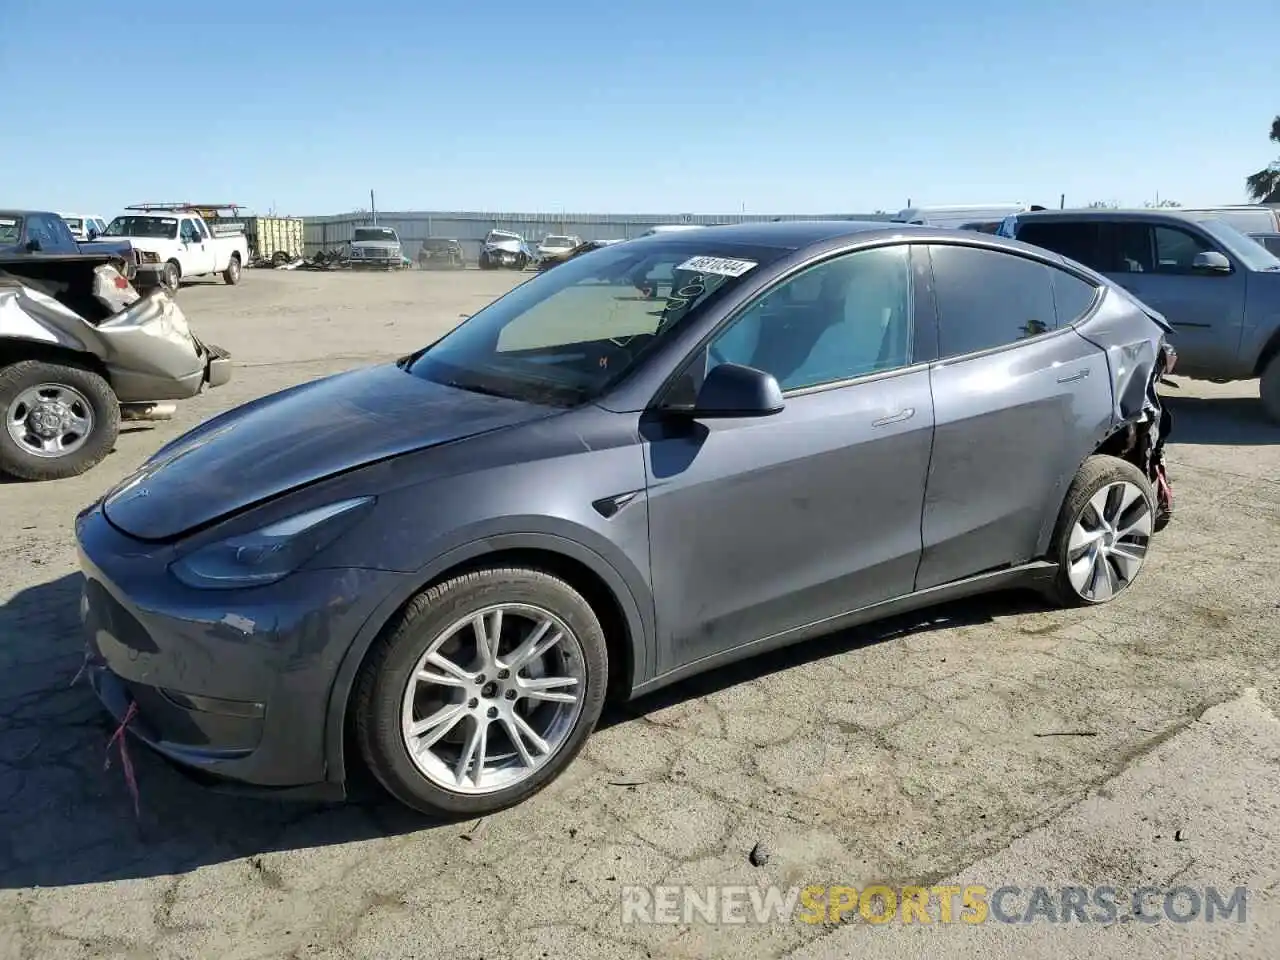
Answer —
(74, 224)
(557, 242)
(364, 234)
(155, 228)
(1251, 253)
(503, 238)
(569, 334)
(10, 229)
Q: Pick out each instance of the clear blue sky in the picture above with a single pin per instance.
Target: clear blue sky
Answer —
(708, 106)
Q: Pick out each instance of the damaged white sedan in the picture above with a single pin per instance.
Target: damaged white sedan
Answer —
(80, 350)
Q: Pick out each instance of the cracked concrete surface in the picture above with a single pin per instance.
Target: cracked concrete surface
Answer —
(907, 752)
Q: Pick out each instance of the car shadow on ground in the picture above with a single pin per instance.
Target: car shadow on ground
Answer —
(67, 820)
(1232, 421)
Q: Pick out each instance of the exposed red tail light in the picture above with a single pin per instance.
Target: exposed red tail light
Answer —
(121, 283)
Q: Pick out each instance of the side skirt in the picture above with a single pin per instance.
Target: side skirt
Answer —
(1028, 575)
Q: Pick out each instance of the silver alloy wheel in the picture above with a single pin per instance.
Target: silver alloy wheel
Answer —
(50, 420)
(234, 267)
(493, 698)
(1109, 541)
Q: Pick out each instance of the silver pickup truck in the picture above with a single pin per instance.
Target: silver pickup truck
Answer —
(1218, 288)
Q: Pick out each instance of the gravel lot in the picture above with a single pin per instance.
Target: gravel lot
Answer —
(922, 749)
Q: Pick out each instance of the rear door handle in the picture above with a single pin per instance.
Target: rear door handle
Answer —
(1078, 375)
(898, 417)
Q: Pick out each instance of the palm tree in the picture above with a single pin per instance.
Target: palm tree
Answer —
(1264, 186)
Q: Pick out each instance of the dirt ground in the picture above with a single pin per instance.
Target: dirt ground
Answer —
(926, 748)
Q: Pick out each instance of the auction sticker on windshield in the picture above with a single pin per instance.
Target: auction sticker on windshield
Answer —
(723, 266)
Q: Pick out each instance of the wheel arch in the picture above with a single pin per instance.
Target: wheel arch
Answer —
(1269, 352)
(15, 350)
(625, 629)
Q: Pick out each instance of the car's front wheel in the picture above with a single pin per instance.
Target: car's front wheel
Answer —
(1104, 531)
(481, 691)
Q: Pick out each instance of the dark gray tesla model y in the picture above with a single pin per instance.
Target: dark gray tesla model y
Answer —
(659, 457)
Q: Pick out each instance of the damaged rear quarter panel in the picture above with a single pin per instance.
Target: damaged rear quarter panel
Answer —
(150, 353)
(1131, 340)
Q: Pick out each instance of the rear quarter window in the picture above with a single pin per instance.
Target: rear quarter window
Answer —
(1072, 297)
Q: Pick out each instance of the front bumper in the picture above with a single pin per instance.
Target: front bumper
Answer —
(148, 276)
(232, 687)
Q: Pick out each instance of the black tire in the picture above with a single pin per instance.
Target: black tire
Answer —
(232, 274)
(1096, 473)
(1269, 389)
(376, 704)
(17, 461)
(521, 262)
(484, 262)
(171, 275)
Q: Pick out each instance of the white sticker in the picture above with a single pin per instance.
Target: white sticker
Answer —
(718, 265)
(7, 222)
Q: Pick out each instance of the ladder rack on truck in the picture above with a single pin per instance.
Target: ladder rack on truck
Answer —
(219, 223)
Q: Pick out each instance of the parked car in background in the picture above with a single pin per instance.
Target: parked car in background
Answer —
(44, 233)
(376, 246)
(1219, 289)
(174, 244)
(552, 260)
(504, 248)
(441, 252)
(967, 217)
(671, 228)
(553, 245)
(448, 563)
(1248, 218)
(79, 351)
(84, 226)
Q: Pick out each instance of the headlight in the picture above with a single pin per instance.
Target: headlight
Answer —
(270, 553)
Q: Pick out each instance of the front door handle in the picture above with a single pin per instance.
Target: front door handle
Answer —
(898, 417)
(1072, 378)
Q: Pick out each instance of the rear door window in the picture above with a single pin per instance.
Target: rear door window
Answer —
(1081, 241)
(988, 298)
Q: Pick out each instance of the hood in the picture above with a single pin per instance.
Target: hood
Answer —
(297, 437)
(510, 244)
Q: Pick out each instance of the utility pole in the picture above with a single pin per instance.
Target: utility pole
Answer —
(1062, 201)
(373, 208)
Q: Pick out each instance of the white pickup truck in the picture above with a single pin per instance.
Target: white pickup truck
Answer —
(173, 245)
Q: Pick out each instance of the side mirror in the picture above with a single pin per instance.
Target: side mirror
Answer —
(734, 390)
(1210, 261)
(93, 234)
(33, 245)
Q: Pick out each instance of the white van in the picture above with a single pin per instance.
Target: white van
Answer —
(671, 228)
(968, 217)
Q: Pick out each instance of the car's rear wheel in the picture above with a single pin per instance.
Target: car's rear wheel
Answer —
(1269, 389)
(1104, 531)
(481, 691)
(59, 420)
(232, 274)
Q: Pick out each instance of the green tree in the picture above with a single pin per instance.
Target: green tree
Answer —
(1264, 186)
